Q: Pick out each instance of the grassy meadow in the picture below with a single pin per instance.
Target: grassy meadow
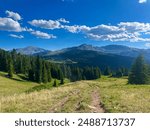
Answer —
(102, 95)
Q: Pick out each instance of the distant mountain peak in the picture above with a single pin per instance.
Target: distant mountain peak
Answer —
(30, 50)
(85, 47)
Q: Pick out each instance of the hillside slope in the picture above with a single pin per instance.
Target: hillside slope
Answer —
(92, 58)
(13, 86)
(104, 95)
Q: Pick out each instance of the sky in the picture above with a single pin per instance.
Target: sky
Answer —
(56, 24)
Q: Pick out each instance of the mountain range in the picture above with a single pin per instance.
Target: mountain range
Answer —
(112, 55)
(30, 50)
(110, 49)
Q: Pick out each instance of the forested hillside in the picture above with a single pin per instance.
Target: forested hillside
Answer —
(39, 70)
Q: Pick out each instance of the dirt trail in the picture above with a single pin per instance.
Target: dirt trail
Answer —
(63, 101)
(96, 106)
(59, 105)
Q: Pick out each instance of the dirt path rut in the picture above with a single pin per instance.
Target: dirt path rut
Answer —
(96, 106)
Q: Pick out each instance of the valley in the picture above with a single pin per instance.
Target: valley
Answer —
(114, 56)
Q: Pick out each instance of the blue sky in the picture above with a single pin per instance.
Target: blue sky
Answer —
(56, 24)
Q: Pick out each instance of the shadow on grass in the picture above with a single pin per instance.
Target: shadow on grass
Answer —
(39, 88)
(17, 79)
(23, 77)
(3, 75)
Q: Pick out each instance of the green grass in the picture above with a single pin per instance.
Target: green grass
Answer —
(13, 86)
(18, 95)
(46, 86)
(52, 100)
(118, 96)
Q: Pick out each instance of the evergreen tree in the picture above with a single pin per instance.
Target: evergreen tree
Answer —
(60, 74)
(55, 83)
(107, 71)
(3, 61)
(44, 74)
(31, 71)
(62, 81)
(97, 73)
(49, 76)
(64, 70)
(68, 71)
(10, 67)
(119, 73)
(126, 72)
(14, 59)
(138, 73)
(76, 74)
(31, 75)
(38, 74)
(61, 77)
(54, 72)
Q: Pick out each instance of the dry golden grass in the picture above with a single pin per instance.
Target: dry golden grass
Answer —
(115, 94)
(50, 100)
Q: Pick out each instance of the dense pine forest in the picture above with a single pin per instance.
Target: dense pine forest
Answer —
(42, 71)
(36, 69)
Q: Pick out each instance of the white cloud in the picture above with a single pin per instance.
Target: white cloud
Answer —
(63, 20)
(13, 15)
(16, 36)
(124, 31)
(50, 24)
(8, 24)
(11, 24)
(77, 28)
(142, 1)
(147, 45)
(135, 26)
(117, 37)
(28, 29)
(43, 35)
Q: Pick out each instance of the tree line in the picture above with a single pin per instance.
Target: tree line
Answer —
(140, 72)
(43, 71)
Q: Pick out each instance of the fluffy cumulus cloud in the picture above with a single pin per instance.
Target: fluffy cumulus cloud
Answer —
(124, 31)
(142, 1)
(63, 20)
(135, 26)
(76, 28)
(43, 35)
(13, 15)
(8, 24)
(48, 24)
(16, 36)
(11, 24)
